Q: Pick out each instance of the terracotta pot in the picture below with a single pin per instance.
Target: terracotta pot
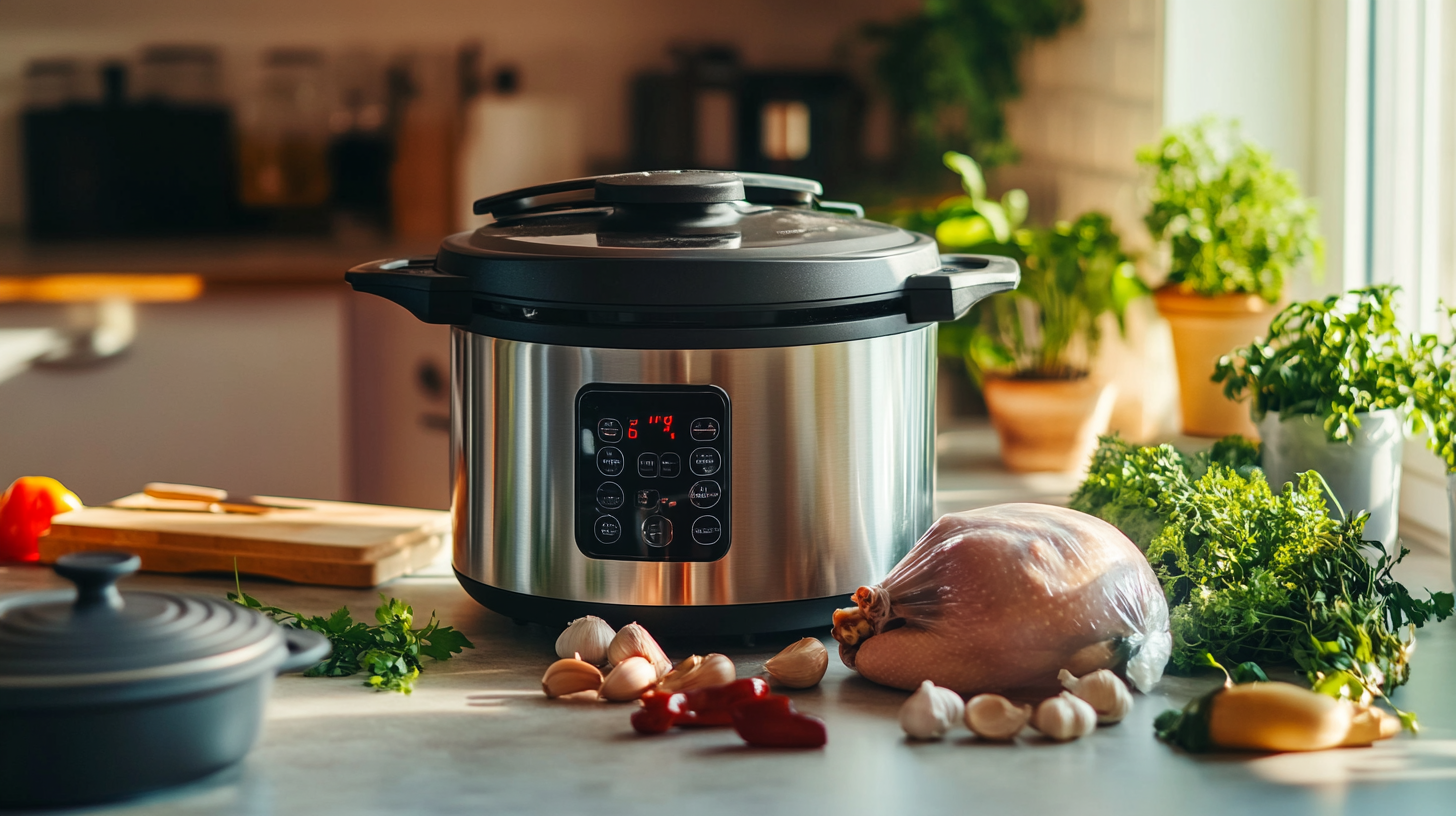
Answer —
(1205, 329)
(1048, 425)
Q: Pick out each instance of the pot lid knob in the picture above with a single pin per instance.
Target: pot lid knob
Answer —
(95, 575)
(670, 187)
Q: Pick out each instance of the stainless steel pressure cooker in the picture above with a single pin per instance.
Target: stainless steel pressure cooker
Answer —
(700, 400)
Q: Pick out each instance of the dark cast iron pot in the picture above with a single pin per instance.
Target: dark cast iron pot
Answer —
(105, 695)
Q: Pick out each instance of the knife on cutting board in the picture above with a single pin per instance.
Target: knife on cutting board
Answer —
(211, 499)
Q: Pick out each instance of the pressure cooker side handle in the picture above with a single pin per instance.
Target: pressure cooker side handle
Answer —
(430, 295)
(949, 292)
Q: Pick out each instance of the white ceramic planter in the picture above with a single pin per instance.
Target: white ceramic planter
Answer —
(1364, 473)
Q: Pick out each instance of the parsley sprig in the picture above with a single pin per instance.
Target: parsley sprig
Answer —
(389, 652)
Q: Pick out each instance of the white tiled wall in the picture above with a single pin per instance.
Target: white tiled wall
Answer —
(1091, 97)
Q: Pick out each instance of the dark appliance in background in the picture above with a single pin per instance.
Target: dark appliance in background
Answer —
(711, 112)
(101, 165)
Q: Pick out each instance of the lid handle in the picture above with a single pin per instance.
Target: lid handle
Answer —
(949, 292)
(95, 575)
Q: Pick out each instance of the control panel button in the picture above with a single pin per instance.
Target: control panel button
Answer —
(704, 429)
(608, 529)
(704, 494)
(707, 530)
(610, 496)
(609, 430)
(610, 461)
(657, 531)
(647, 465)
(648, 498)
(704, 461)
(669, 466)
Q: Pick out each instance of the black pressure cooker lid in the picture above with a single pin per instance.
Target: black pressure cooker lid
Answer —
(682, 238)
(684, 259)
(95, 634)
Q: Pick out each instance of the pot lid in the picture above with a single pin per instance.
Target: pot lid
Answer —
(96, 634)
(682, 238)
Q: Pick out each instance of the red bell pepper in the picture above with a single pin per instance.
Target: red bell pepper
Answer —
(26, 509)
(714, 705)
(659, 712)
(697, 708)
(772, 722)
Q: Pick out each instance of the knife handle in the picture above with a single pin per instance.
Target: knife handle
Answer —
(182, 492)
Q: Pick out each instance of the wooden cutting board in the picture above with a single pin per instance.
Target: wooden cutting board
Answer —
(314, 542)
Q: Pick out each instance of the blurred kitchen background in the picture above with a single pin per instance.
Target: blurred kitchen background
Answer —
(183, 184)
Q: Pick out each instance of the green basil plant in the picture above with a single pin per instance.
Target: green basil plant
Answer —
(1234, 223)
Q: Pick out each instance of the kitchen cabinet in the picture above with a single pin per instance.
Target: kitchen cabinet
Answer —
(279, 379)
(243, 389)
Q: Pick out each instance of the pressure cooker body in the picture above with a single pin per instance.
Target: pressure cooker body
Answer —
(695, 399)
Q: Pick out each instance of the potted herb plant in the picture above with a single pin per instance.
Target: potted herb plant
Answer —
(1436, 401)
(1333, 390)
(1235, 227)
(1031, 349)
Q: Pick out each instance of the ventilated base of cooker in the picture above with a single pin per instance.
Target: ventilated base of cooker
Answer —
(729, 619)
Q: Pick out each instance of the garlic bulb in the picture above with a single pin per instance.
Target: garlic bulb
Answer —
(1102, 690)
(699, 672)
(632, 640)
(629, 680)
(994, 717)
(800, 665)
(931, 711)
(1065, 717)
(570, 675)
(587, 638)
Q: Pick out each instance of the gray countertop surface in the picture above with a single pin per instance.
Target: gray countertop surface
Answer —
(477, 736)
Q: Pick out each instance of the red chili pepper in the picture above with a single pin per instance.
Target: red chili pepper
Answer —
(772, 722)
(26, 509)
(714, 705)
(659, 712)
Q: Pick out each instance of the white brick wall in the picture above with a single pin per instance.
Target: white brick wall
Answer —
(1091, 97)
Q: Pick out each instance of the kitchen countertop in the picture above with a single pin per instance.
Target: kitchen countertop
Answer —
(478, 736)
(220, 261)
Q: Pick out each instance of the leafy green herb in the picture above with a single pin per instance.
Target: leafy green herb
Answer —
(1049, 326)
(1334, 358)
(1435, 389)
(1253, 575)
(389, 652)
(1072, 274)
(950, 69)
(1234, 222)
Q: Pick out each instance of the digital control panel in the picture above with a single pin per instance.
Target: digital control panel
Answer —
(653, 472)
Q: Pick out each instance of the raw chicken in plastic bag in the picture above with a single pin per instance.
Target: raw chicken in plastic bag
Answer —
(1001, 599)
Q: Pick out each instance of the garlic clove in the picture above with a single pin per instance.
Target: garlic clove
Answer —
(634, 641)
(930, 712)
(1065, 717)
(801, 665)
(993, 717)
(629, 680)
(699, 672)
(1102, 690)
(570, 675)
(587, 638)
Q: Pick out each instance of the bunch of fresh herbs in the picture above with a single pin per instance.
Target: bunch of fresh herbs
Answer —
(950, 68)
(389, 653)
(1234, 222)
(1254, 575)
(1334, 358)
